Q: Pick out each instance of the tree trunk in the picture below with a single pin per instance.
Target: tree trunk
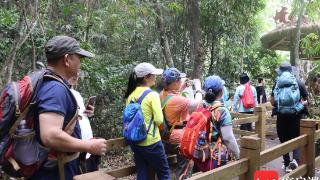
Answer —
(163, 37)
(88, 19)
(212, 54)
(34, 11)
(297, 40)
(185, 55)
(243, 48)
(194, 27)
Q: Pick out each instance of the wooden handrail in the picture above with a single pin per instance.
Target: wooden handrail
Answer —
(267, 105)
(122, 172)
(116, 143)
(244, 120)
(243, 132)
(299, 172)
(281, 149)
(240, 115)
(228, 171)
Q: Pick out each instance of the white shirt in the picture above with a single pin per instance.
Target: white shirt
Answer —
(86, 130)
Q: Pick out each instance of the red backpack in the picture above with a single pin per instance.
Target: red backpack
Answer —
(199, 121)
(21, 154)
(247, 98)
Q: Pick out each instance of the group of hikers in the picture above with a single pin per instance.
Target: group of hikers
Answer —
(195, 124)
(179, 112)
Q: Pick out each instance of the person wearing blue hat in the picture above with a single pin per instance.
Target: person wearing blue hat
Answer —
(288, 123)
(176, 110)
(239, 98)
(222, 127)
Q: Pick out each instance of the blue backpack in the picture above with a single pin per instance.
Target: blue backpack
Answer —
(287, 94)
(134, 128)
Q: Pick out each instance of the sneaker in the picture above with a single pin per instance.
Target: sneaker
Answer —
(293, 164)
(287, 169)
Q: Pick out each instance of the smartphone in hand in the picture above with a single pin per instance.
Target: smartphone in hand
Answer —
(91, 101)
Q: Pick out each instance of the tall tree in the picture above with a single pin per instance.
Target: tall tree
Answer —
(163, 36)
(296, 61)
(194, 28)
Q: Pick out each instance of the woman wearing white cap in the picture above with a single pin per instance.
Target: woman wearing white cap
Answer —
(150, 152)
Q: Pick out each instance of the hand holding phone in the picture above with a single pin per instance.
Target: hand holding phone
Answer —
(90, 106)
(92, 101)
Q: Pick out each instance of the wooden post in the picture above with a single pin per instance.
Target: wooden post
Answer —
(260, 125)
(250, 149)
(307, 156)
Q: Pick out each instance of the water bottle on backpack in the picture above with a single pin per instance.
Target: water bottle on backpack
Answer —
(26, 149)
(23, 129)
(202, 148)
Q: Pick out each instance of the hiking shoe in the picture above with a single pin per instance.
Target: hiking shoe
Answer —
(287, 169)
(293, 164)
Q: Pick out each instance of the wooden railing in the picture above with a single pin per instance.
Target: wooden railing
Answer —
(258, 117)
(252, 154)
(252, 157)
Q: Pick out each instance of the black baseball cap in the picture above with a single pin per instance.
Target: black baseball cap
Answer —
(58, 46)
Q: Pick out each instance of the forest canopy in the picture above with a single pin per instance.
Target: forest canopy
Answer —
(199, 38)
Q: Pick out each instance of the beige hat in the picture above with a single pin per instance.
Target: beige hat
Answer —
(144, 69)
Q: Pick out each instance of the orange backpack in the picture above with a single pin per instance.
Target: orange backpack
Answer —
(200, 120)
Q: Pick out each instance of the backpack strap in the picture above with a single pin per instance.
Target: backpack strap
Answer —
(20, 114)
(163, 104)
(216, 115)
(165, 101)
(72, 123)
(63, 158)
(216, 118)
(144, 94)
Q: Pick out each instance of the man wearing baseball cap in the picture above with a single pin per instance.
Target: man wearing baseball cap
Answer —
(176, 109)
(56, 107)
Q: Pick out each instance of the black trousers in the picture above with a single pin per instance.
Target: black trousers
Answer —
(288, 127)
(247, 126)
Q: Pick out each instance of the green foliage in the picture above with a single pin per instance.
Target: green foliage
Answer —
(310, 45)
(123, 33)
(8, 20)
(312, 8)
